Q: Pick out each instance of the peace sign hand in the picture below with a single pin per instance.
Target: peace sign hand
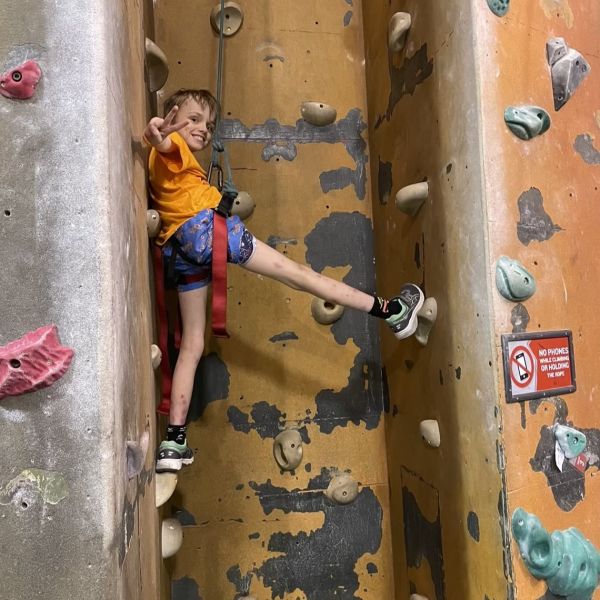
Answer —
(158, 130)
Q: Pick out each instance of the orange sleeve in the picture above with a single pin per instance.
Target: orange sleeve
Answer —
(179, 158)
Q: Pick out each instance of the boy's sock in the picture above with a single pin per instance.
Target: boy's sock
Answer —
(176, 433)
(385, 308)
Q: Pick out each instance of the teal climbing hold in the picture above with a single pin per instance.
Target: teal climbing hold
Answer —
(566, 560)
(498, 7)
(527, 122)
(571, 441)
(513, 280)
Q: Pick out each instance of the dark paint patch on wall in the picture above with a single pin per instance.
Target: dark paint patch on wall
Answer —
(241, 582)
(550, 596)
(275, 241)
(519, 317)
(423, 540)
(372, 568)
(183, 516)
(405, 79)
(568, 487)
(418, 255)
(347, 18)
(584, 146)
(386, 390)
(473, 525)
(534, 222)
(267, 420)
(284, 336)
(504, 521)
(339, 240)
(458, 372)
(185, 589)
(254, 536)
(281, 140)
(561, 409)
(211, 383)
(384, 181)
(306, 563)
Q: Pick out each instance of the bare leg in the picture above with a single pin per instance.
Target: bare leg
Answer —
(193, 317)
(267, 261)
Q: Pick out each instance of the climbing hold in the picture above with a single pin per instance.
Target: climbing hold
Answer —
(513, 281)
(426, 318)
(287, 449)
(165, 486)
(498, 7)
(157, 66)
(527, 122)
(568, 69)
(32, 362)
(342, 489)
(152, 223)
(430, 432)
(411, 197)
(171, 537)
(136, 455)
(243, 205)
(232, 21)
(417, 597)
(318, 113)
(20, 83)
(325, 312)
(156, 356)
(566, 559)
(398, 31)
(571, 441)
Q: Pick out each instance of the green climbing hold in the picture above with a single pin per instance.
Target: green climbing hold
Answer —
(566, 559)
(498, 7)
(571, 441)
(513, 280)
(527, 122)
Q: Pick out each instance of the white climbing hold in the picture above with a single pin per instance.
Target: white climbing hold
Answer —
(417, 597)
(156, 356)
(287, 449)
(342, 489)
(430, 432)
(171, 537)
(243, 205)
(411, 197)
(426, 318)
(325, 312)
(157, 66)
(232, 19)
(165, 484)
(152, 223)
(398, 31)
(318, 113)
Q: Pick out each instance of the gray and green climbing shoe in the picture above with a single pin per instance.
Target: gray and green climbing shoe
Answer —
(404, 324)
(171, 456)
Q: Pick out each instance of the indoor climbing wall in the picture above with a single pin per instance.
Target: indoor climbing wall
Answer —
(425, 125)
(76, 384)
(249, 526)
(539, 62)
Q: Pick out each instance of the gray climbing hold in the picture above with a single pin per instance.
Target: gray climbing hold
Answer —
(157, 66)
(325, 312)
(232, 19)
(318, 113)
(136, 455)
(513, 280)
(411, 197)
(571, 441)
(165, 486)
(398, 31)
(287, 449)
(499, 7)
(171, 537)
(527, 122)
(243, 205)
(568, 69)
(156, 356)
(430, 432)
(152, 223)
(426, 318)
(342, 489)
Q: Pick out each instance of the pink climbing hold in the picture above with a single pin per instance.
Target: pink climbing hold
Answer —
(33, 362)
(19, 83)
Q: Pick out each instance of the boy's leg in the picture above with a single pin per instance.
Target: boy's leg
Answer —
(173, 452)
(400, 312)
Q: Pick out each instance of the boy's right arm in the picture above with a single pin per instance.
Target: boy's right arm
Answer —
(157, 131)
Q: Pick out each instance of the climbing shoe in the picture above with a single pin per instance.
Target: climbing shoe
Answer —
(171, 456)
(411, 299)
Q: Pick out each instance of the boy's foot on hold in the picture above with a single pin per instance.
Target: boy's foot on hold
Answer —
(404, 324)
(171, 456)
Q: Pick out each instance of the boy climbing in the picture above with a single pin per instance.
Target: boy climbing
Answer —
(185, 201)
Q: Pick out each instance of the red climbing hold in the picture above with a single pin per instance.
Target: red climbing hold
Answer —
(33, 362)
(19, 83)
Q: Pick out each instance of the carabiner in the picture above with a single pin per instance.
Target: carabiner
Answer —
(214, 165)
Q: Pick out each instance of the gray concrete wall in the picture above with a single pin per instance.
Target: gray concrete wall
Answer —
(74, 253)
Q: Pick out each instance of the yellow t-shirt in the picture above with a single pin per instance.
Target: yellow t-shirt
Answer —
(179, 187)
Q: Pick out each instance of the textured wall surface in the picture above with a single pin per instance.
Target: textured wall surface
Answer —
(246, 524)
(74, 253)
(425, 122)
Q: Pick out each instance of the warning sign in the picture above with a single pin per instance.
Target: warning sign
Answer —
(537, 365)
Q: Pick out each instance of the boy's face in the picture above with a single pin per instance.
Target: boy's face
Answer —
(198, 132)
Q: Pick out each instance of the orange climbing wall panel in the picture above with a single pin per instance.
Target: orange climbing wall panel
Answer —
(249, 527)
(563, 168)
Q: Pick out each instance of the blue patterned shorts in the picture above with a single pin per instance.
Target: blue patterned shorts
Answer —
(196, 238)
